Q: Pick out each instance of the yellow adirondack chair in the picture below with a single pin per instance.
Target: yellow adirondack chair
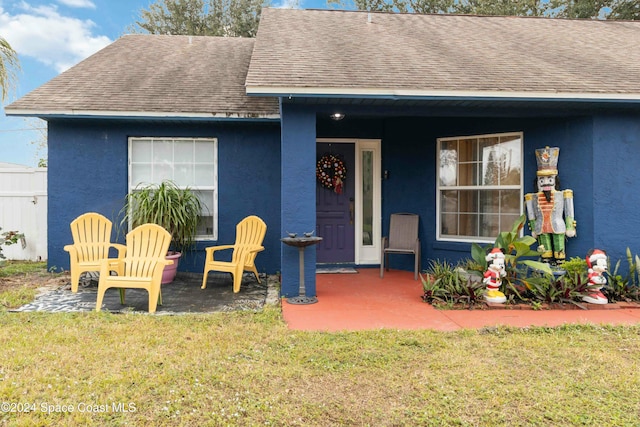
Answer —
(249, 236)
(91, 243)
(141, 267)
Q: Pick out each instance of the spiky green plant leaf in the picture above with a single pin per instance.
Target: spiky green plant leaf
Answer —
(175, 209)
(479, 255)
(538, 266)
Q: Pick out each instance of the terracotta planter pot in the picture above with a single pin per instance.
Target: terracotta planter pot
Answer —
(170, 271)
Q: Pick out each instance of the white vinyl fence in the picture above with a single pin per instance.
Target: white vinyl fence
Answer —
(23, 208)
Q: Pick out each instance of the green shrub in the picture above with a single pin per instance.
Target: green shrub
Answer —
(518, 262)
(619, 288)
(558, 288)
(575, 265)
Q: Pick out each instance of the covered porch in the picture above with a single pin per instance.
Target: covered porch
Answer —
(404, 146)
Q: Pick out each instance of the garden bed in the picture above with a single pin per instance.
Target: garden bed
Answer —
(544, 306)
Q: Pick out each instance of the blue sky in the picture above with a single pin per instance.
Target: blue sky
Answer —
(51, 36)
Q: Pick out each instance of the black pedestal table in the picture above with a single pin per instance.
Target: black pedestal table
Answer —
(301, 243)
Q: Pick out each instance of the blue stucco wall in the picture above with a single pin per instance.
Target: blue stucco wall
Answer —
(298, 191)
(571, 135)
(88, 172)
(598, 156)
(597, 161)
(616, 177)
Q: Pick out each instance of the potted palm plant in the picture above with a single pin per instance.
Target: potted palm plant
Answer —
(175, 209)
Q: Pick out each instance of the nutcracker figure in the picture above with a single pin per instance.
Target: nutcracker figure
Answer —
(547, 207)
(493, 276)
(597, 264)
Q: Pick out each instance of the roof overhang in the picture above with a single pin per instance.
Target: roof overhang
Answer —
(439, 95)
(137, 115)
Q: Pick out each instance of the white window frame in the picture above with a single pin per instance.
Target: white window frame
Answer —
(440, 188)
(213, 187)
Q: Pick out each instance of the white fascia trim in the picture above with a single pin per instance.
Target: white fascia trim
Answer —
(434, 94)
(137, 114)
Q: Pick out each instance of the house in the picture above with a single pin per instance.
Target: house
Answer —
(439, 115)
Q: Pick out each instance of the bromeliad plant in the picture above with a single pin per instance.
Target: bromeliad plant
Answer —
(434, 290)
(518, 262)
(447, 284)
(566, 286)
(526, 280)
(620, 288)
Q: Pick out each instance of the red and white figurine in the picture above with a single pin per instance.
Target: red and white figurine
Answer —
(597, 263)
(493, 276)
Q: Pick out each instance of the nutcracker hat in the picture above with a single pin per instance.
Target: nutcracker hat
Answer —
(495, 253)
(594, 256)
(547, 159)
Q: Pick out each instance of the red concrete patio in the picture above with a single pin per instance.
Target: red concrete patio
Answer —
(364, 301)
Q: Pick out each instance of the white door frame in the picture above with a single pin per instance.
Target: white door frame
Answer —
(369, 254)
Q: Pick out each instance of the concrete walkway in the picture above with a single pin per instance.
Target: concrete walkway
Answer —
(364, 301)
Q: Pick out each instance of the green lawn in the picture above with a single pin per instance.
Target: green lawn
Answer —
(248, 369)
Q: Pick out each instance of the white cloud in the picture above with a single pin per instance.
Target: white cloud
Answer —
(78, 3)
(53, 39)
(287, 4)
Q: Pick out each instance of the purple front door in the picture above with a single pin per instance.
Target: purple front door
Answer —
(335, 210)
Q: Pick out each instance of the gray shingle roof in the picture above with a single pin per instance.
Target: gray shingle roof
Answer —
(145, 75)
(332, 52)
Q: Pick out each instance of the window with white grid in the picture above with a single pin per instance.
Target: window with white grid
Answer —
(479, 186)
(188, 162)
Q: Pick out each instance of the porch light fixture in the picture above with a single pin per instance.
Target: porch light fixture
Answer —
(337, 116)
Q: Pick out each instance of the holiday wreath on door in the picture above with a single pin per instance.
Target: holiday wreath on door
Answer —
(331, 172)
